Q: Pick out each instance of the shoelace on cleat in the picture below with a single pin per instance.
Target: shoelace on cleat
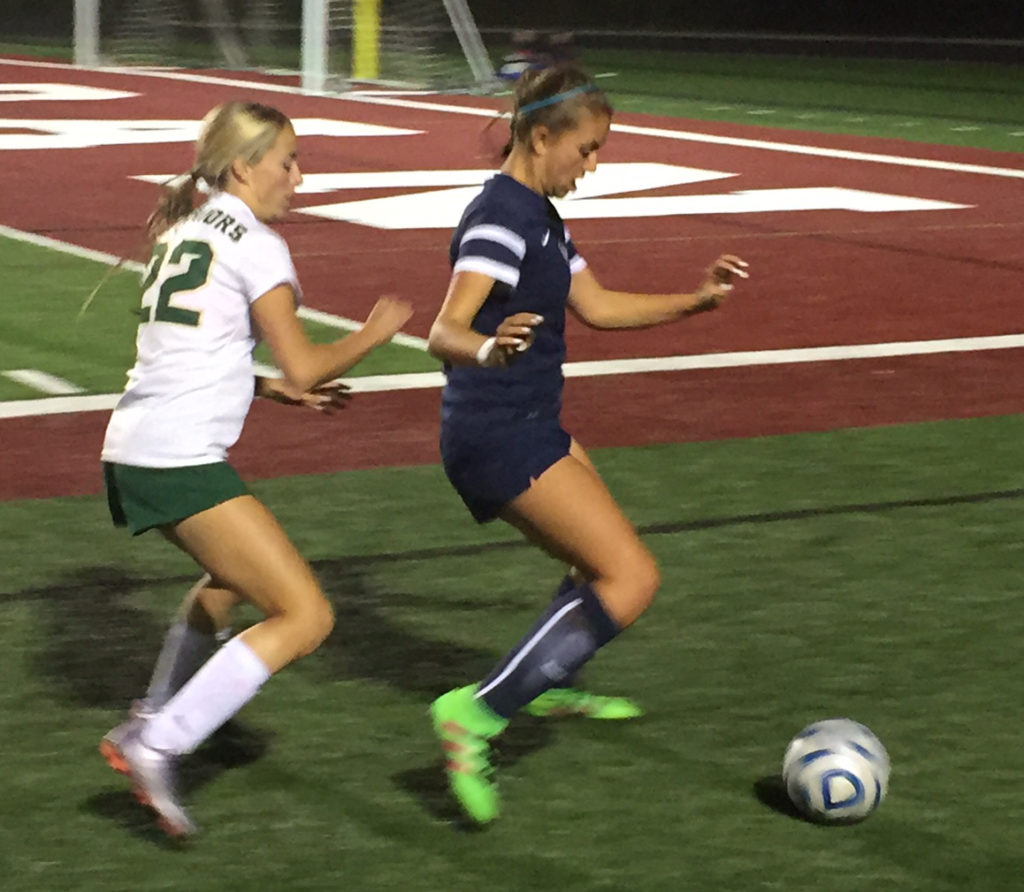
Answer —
(467, 752)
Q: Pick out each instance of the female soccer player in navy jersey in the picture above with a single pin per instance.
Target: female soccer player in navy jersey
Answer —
(500, 333)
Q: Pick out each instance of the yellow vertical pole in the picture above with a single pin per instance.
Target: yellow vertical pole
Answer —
(365, 40)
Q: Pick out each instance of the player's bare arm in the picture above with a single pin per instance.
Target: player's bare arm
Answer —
(600, 307)
(452, 338)
(306, 365)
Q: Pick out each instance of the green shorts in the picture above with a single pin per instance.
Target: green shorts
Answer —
(143, 498)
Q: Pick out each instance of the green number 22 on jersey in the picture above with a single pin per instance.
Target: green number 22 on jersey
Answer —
(200, 256)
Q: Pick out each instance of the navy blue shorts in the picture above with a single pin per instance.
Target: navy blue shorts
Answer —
(489, 466)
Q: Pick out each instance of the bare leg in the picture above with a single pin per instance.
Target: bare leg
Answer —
(242, 546)
(570, 513)
(243, 549)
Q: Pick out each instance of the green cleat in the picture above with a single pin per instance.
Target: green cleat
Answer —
(464, 725)
(558, 702)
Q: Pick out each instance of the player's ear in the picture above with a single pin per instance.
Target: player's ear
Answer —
(540, 139)
(240, 170)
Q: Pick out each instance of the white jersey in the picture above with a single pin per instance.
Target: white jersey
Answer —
(192, 384)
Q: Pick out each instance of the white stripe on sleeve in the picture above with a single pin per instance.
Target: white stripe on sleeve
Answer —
(576, 264)
(499, 234)
(500, 272)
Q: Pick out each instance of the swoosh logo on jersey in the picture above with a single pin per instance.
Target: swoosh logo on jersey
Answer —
(544, 241)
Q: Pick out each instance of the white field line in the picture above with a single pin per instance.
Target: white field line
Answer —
(790, 148)
(329, 319)
(44, 382)
(749, 358)
(657, 132)
(760, 144)
(44, 241)
(353, 324)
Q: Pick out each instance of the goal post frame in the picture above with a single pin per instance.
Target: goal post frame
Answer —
(366, 33)
(314, 49)
(87, 33)
(365, 40)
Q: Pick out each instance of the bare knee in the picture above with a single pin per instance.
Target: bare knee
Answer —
(646, 580)
(629, 590)
(312, 623)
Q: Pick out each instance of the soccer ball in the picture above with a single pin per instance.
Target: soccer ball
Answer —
(836, 771)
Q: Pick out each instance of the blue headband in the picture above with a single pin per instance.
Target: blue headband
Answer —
(558, 97)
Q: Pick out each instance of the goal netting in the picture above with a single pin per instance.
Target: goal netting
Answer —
(430, 43)
(332, 44)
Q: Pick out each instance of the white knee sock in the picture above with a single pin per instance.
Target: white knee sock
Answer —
(184, 650)
(224, 684)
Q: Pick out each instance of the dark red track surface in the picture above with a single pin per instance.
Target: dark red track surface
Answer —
(820, 278)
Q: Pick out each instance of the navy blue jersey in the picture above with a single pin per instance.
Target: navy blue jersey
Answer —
(515, 236)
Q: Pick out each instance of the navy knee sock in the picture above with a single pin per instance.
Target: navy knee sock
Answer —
(567, 584)
(564, 637)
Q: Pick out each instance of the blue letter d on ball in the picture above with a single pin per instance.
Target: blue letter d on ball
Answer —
(826, 789)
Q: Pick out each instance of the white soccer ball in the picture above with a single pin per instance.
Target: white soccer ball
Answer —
(836, 771)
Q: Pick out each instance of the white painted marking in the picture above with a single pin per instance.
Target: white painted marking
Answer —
(692, 136)
(597, 368)
(170, 74)
(796, 149)
(844, 352)
(81, 134)
(32, 92)
(442, 209)
(58, 405)
(407, 381)
(263, 370)
(44, 241)
(608, 179)
(347, 324)
(329, 319)
(44, 382)
(763, 145)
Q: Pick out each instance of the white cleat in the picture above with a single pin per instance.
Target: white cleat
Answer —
(110, 746)
(151, 773)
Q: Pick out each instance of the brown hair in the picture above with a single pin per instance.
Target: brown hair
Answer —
(233, 130)
(553, 97)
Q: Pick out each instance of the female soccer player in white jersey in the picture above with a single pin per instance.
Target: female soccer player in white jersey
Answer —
(500, 333)
(219, 279)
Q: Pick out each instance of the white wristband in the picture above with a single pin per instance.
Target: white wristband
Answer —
(483, 355)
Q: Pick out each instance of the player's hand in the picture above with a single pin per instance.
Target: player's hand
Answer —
(327, 398)
(718, 281)
(514, 336)
(388, 315)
